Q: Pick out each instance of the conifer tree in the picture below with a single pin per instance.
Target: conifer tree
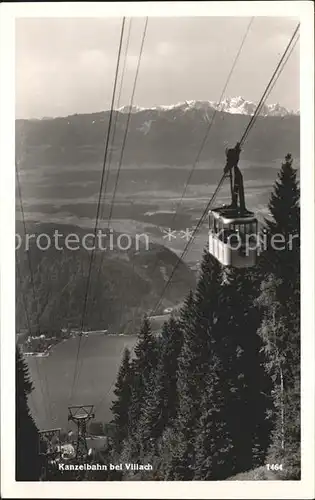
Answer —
(283, 258)
(145, 351)
(199, 323)
(122, 392)
(28, 463)
(280, 302)
(143, 365)
(284, 368)
(213, 442)
(292, 445)
(162, 403)
(284, 202)
(172, 342)
(187, 311)
(222, 383)
(143, 369)
(249, 386)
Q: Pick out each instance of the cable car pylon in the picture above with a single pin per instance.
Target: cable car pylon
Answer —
(80, 415)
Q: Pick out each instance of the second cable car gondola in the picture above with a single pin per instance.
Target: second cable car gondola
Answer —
(233, 229)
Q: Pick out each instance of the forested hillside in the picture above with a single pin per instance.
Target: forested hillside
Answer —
(125, 284)
(218, 395)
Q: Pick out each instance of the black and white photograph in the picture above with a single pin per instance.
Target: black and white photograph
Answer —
(162, 200)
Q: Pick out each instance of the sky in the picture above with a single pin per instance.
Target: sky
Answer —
(67, 65)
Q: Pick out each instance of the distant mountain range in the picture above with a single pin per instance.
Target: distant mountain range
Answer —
(233, 105)
(169, 135)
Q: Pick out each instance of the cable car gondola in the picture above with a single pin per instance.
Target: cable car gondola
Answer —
(233, 229)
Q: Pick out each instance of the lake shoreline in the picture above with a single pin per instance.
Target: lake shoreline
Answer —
(99, 361)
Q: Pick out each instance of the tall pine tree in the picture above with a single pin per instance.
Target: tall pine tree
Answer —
(282, 255)
(143, 369)
(199, 321)
(249, 387)
(222, 382)
(280, 301)
(213, 441)
(28, 463)
(161, 406)
(120, 406)
(284, 368)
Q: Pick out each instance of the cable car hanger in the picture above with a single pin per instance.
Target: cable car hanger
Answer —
(236, 183)
(232, 228)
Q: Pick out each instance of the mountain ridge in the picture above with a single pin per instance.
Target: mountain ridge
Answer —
(232, 105)
(168, 136)
(59, 278)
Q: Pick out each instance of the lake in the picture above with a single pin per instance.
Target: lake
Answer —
(98, 364)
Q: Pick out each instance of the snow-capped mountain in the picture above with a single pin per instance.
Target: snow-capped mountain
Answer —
(233, 105)
(128, 108)
(239, 106)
